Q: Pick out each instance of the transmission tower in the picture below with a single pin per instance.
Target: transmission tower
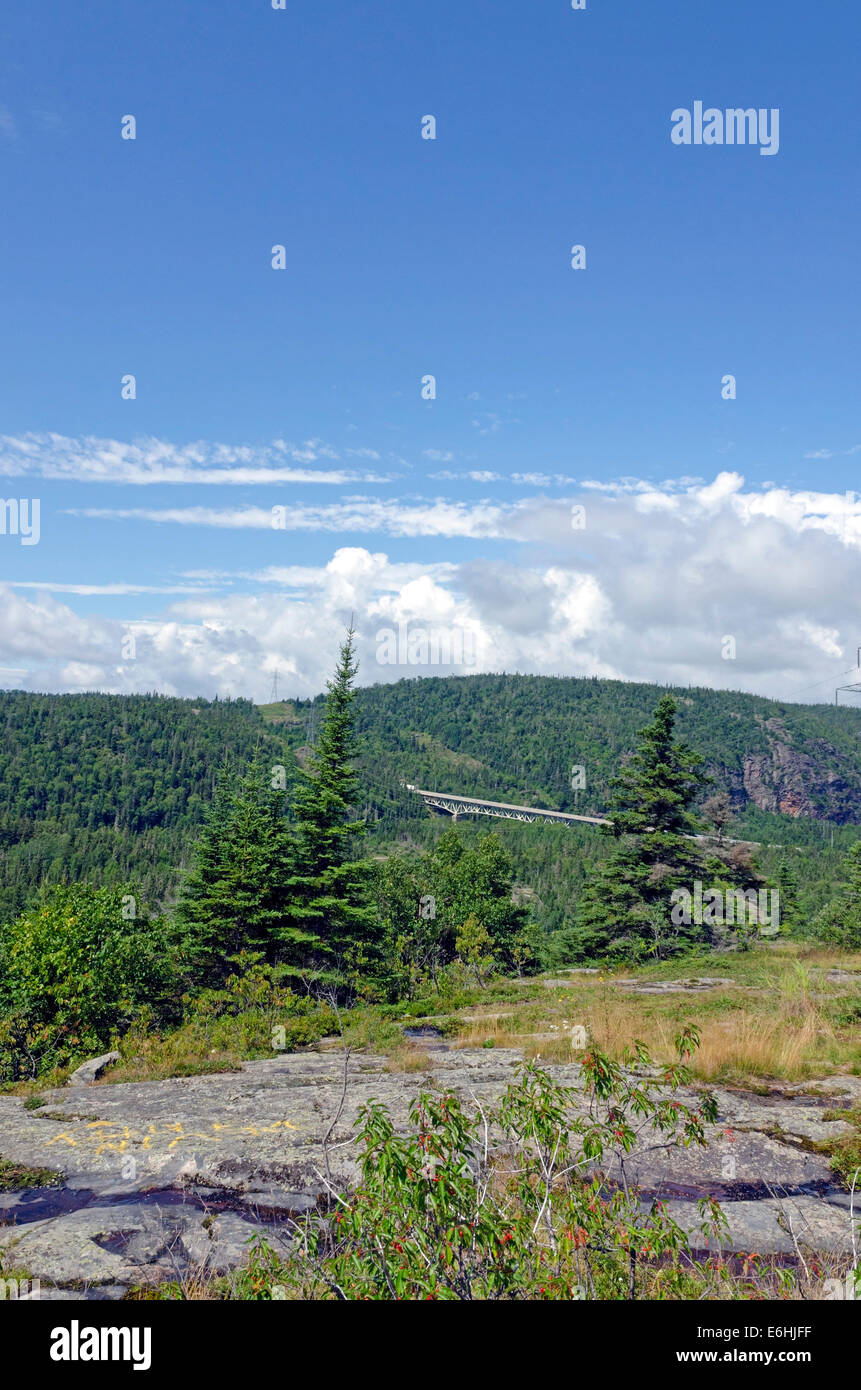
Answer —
(855, 688)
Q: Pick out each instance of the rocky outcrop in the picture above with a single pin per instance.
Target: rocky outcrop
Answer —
(166, 1176)
(89, 1072)
(797, 782)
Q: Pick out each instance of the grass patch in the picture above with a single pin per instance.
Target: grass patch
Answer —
(408, 1058)
(845, 1152)
(781, 1019)
(15, 1177)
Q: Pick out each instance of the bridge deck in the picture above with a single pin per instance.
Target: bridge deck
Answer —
(505, 810)
(447, 801)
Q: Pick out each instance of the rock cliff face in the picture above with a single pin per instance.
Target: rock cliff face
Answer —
(796, 781)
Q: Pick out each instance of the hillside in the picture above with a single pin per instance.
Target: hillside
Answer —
(99, 786)
(519, 736)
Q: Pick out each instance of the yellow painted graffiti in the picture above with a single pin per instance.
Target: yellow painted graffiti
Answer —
(107, 1135)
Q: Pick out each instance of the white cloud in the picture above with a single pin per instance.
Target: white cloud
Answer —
(543, 479)
(648, 591)
(118, 589)
(154, 461)
(423, 517)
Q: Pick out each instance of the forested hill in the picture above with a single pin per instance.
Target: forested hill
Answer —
(94, 786)
(518, 737)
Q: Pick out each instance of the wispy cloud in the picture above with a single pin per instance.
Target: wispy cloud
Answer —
(537, 519)
(543, 479)
(486, 475)
(118, 588)
(145, 462)
(432, 517)
(833, 453)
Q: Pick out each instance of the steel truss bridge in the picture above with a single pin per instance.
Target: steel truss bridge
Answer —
(451, 805)
(455, 806)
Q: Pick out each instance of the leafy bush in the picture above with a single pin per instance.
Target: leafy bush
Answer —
(256, 1011)
(443, 1214)
(77, 970)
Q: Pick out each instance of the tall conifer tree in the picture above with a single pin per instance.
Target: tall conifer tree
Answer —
(236, 896)
(651, 822)
(330, 890)
(840, 922)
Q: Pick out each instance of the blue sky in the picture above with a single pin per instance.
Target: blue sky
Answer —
(405, 256)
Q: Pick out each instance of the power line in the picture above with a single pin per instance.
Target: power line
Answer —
(855, 687)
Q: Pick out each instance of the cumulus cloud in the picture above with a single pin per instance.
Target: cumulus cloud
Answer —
(648, 590)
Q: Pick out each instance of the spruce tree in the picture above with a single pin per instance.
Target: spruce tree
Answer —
(235, 896)
(651, 822)
(789, 889)
(839, 923)
(330, 889)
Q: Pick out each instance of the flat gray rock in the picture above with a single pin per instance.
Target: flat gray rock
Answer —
(245, 1149)
(277, 1199)
(845, 977)
(89, 1072)
(766, 1228)
(225, 1244)
(780, 1117)
(695, 985)
(98, 1245)
(125, 1244)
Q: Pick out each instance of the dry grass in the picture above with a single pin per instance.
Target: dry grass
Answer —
(777, 1020)
(493, 1029)
(173, 1054)
(747, 1042)
(408, 1058)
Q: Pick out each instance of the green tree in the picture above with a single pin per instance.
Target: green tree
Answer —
(840, 922)
(77, 969)
(789, 888)
(651, 822)
(473, 945)
(475, 881)
(236, 895)
(330, 888)
(410, 928)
